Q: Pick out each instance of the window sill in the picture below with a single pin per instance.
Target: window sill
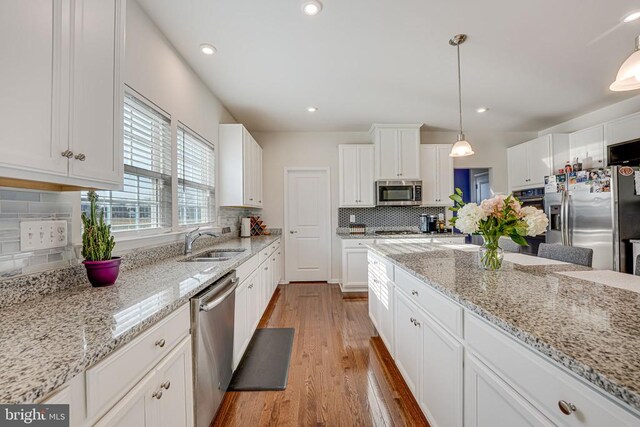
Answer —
(130, 241)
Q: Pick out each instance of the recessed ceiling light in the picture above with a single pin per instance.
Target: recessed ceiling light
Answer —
(312, 109)
(631, 16)
(207, 49)
(311, 7)
(482, 109)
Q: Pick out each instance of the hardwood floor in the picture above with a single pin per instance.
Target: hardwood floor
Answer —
(339, 375)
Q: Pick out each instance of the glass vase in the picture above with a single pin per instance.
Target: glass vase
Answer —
(490, 254)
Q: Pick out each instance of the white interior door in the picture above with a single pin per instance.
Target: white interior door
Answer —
(307, 223)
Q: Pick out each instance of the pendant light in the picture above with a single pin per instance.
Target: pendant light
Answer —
(628, 77)
(461, 148)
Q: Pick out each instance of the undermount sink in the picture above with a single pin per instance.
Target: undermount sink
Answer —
(217, 255)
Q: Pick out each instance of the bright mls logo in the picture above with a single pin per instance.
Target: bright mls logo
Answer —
(34, 415)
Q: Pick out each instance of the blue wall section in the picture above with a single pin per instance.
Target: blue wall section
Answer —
(461, 180)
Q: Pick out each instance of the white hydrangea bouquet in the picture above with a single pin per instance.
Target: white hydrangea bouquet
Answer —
(496, 217)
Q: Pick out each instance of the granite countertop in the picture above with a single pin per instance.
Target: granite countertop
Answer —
(590, 328)
(47, 341)
(417, 235)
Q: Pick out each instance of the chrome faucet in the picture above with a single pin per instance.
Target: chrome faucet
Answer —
(192, 236)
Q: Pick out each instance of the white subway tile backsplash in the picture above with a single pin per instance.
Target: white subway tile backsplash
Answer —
(18, 205)
(11, 206)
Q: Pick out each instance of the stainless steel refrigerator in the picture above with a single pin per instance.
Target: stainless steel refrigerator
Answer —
(597, 209)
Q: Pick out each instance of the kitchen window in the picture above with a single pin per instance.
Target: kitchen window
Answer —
(145, 200)
(196, 178)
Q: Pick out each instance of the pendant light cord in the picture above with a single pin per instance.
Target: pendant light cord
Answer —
(459, 89)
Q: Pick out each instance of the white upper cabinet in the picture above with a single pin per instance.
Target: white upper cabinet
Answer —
(356, 175)
(622, 129)
(588, 143)
(436, 172)
(528, 163)
(97, 98)
(397, 151)
(61, 111)
(240, 167)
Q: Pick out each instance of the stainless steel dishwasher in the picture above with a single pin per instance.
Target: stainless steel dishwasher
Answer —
(212, 319)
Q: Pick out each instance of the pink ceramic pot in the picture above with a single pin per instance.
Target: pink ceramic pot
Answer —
(103, 273)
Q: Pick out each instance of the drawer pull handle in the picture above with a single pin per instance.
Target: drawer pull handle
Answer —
(160, 343)
(414, 293)
(165, 385)
(157, 394)
(566, 407)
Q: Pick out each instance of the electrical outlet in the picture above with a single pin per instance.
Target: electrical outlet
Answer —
(352, 218)
(42, 235)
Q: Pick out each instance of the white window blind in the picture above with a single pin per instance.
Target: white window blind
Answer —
(196, 175)
(145, 200)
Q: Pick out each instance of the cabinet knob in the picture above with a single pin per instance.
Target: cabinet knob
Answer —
(161, 342)
(292, 231)
(157, 394)
(566, 407)
(67, 153)
(251, 286)
(414, 293)
(412, 320)
(80, 157)
(165, 385)
(250, 198)
(266, 268)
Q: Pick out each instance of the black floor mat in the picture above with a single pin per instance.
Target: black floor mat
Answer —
(265, 364)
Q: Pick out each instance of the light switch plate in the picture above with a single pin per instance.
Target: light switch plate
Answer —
(352, 218)
(42, 235)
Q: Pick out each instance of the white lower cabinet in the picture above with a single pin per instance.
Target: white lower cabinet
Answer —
(408, 340)
(441, 378)
(490, 402)
(261, 276)
(381, 299)
(354, 265)
(164, 397)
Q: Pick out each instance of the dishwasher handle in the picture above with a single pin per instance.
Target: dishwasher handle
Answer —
(214, 302)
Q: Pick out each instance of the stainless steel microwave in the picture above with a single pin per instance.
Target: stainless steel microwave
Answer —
(398, 193)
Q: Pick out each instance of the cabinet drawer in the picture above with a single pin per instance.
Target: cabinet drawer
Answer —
(113, 377)
(264, 254)
(540, 381)
(443, 310)
(245, 269)
(356, 243)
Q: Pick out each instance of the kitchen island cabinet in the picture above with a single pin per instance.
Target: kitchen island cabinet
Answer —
(487, 348)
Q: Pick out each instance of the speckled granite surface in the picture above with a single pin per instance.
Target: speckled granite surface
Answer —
(48, 340)
(418, 235)
(590, 328)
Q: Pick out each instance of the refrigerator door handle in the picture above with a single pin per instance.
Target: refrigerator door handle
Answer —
(614, 216)
(563, 226)
(567, 215)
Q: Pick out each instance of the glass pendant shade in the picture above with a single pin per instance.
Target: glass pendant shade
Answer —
(461, 148)
(628, 77)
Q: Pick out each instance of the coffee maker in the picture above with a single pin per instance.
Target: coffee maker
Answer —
(428, 223)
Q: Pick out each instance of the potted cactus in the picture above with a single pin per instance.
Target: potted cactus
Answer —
(97, 244)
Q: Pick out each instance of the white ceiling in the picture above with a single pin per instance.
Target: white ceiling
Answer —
(534, 63)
